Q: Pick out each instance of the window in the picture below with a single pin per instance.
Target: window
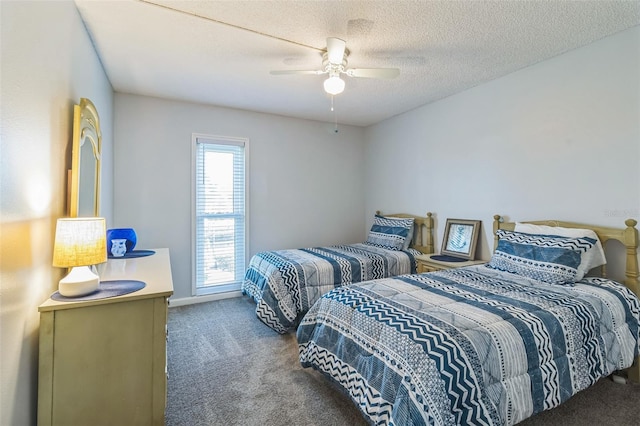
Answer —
(219, 203)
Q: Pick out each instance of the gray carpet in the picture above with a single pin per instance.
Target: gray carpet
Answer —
(227, 368)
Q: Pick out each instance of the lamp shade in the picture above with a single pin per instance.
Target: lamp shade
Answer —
(334, 85)
(80, 242)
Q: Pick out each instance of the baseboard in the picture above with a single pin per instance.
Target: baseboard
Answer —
(200, 299)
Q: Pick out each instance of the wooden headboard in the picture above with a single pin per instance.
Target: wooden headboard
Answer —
(627, 236)
(422, 231)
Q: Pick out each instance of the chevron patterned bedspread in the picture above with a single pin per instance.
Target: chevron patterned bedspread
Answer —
(285, 283)
(468, 346)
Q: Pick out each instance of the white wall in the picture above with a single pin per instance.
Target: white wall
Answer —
(306, 182)
(48, 64)
(557, 140)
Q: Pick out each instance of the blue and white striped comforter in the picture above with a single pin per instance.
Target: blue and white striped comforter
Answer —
(285, 283)
(470, 345)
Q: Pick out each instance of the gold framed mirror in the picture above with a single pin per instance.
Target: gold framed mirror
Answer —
(84, 194)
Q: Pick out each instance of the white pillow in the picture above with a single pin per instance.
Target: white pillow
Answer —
(590, 259)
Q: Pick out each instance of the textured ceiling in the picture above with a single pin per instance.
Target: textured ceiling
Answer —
(221, 52)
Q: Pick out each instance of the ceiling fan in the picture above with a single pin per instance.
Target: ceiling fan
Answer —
(334, 63)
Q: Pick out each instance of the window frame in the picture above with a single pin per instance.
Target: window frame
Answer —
(216, 140)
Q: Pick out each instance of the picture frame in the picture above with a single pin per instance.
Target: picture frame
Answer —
(460, 238)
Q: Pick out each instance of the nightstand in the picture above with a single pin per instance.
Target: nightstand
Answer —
(426, 264)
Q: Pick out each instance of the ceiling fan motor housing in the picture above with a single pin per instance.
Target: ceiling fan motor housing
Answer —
(329, 66)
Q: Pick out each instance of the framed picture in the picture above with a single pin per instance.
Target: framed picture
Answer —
(460, 238)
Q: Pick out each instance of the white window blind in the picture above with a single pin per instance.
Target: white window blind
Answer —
(220, 198)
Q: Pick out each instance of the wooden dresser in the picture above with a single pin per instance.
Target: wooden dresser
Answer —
(104, 362)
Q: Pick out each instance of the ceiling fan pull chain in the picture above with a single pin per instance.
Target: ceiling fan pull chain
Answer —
(335, 117)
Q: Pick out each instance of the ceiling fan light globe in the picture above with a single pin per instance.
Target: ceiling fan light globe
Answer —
(334, 85)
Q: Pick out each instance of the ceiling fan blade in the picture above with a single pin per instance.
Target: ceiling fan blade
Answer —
(373, 72)
(283, 72)
(335, 50)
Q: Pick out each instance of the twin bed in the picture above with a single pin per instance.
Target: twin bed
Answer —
(489, 344)
(286, 283)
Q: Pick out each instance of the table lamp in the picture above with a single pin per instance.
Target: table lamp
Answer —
(79, 243)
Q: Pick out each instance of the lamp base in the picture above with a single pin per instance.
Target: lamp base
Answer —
(79, 282)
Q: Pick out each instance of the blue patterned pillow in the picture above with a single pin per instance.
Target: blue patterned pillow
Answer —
(390, 233)
(549, 258)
